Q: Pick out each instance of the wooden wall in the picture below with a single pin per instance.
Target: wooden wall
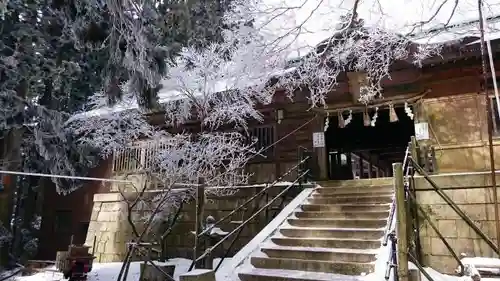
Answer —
(78, 207)
(457, 117)
(294, 131)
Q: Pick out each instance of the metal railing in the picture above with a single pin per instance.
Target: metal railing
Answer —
(389, 233)
(410, 166)
(455, 207)
(302, 174)
(137, 157)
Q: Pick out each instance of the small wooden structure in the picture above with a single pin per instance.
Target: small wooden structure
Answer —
(74, 252)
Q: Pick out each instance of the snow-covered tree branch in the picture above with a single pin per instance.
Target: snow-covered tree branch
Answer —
(207, 62)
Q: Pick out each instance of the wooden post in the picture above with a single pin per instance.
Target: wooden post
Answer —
(401, 221)
(370, 166)
(361, 167)
(200, 204)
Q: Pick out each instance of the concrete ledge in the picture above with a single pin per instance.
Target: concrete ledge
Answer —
(198, 275)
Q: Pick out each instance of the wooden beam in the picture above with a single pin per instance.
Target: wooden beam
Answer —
(356, 81)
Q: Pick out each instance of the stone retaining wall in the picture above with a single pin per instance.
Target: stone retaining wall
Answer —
(110, 227)
(475, 200)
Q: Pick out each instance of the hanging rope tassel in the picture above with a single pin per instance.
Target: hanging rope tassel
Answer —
(341, 120)
(366, 118)
(327, 122)
(393, 117)
(349, 118)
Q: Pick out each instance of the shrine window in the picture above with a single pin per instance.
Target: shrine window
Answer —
(264, 139)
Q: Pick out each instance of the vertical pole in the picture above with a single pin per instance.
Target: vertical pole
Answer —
(200, 202)
(489, 119)
(414, 149)
(370, 166)
(361, 167)
(401, 220)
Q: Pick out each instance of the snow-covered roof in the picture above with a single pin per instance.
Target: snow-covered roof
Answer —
(167, 94)
(315, 20)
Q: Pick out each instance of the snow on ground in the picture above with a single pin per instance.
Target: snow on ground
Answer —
(110, 271)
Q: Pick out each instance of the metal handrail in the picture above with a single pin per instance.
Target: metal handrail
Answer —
(434, 227)
(388, 228)
(251, 199)
(209, 250)
(455, 208)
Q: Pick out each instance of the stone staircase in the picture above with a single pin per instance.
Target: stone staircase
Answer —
(335, 234)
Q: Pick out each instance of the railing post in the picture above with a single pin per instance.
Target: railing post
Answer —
(200, 203)
(401, 220)
(414, 149)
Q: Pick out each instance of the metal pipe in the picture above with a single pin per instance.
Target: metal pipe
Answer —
(251, 198)
(250, 218)
(393, 205)
(435, 228)
(454, 206)
(490, 119)
(420, 267)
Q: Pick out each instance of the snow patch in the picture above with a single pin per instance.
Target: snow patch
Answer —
(110, 271)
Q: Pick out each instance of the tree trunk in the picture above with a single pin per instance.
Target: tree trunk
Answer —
(11, 158)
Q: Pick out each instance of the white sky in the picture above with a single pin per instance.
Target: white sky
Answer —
(321, 16)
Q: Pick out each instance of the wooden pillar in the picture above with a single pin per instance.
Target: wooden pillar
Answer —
(361, 167)
(401, 221)
(370, 166)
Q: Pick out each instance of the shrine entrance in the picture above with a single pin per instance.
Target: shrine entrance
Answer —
(365, 144)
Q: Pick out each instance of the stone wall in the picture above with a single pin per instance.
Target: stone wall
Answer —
(110, 227)
(458, 131)
(474, 196)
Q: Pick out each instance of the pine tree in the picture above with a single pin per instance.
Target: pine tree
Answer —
(56, 54)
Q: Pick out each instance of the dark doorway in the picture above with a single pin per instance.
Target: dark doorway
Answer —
(359, 151)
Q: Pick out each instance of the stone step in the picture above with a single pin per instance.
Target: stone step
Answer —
(356, 233)
(338, 223)
(350, 199)
(262, 274)
(345, 207)
(355, 190)
(349, 243)
(356, 183)
(320, 254)
(343, 215)
(349, 195)
(312, 265)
